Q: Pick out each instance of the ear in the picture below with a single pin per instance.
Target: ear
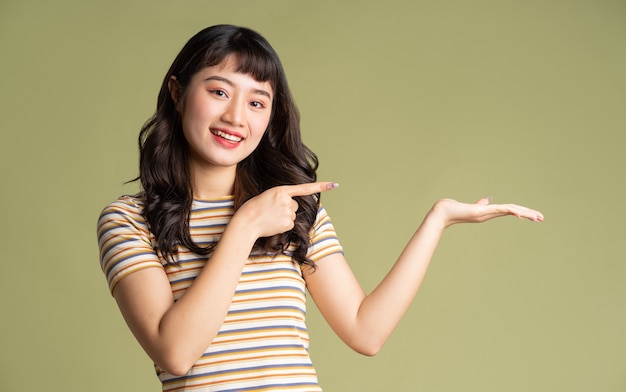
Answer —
(175, 91)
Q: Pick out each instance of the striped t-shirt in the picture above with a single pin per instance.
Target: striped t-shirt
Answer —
(263, 342)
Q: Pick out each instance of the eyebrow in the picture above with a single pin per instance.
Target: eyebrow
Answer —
(230, 83)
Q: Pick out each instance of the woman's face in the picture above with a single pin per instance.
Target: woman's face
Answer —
(224, 115)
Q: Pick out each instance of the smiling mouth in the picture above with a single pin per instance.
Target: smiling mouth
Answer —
(227, 136)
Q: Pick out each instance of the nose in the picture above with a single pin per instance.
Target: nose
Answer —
(235, 113)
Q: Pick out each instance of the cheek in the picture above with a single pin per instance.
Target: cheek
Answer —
(259, 132)
(196, 106)
(261, 125)
(193, 112)
(193, 121)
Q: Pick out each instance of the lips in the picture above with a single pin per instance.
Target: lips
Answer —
(226, 135)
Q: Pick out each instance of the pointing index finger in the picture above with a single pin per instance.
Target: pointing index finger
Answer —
(310, 188)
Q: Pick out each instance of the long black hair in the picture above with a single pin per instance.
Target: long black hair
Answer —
(281, 158)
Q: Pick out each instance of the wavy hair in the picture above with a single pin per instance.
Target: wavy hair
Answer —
(281, 157)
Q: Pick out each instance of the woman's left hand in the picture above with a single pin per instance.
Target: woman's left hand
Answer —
(452, 211)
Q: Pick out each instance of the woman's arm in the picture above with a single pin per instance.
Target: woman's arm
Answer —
(175, 334)
(364, 322)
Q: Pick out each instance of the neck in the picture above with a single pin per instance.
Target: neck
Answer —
(214, 182)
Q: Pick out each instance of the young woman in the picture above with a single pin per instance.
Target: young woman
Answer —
(210, 262)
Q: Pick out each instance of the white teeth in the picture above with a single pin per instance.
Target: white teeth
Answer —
(227, 136)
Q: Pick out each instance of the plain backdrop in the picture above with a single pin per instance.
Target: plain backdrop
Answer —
(405, 102)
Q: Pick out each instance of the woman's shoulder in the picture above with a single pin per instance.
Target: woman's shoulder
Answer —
(322, 221)
(128, 202)
(322, 214)
(128, 206)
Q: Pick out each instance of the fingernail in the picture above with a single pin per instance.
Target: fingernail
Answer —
(332, 185)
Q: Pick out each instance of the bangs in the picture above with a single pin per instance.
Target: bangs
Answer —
(260, 66)
(252, 57)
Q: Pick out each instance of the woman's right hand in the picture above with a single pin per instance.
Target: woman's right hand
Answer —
(274, 211)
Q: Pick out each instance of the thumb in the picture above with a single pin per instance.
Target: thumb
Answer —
(484, 201)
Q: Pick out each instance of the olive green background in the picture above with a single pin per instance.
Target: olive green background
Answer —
(405, 102)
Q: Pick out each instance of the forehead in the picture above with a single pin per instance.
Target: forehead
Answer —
(230, 63)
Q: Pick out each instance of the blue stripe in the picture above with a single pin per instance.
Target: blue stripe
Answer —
(273, 288)
(270, 270)
(238, 370)
(217, 225)
(117, 243)
(262, 328)
(266, 308)
(251, 348)
(111, 267)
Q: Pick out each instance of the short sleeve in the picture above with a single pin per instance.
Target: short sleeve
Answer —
(324, 239)
(124, 240)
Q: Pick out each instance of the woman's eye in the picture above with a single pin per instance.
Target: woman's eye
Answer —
(257, 104)
(219, 93)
